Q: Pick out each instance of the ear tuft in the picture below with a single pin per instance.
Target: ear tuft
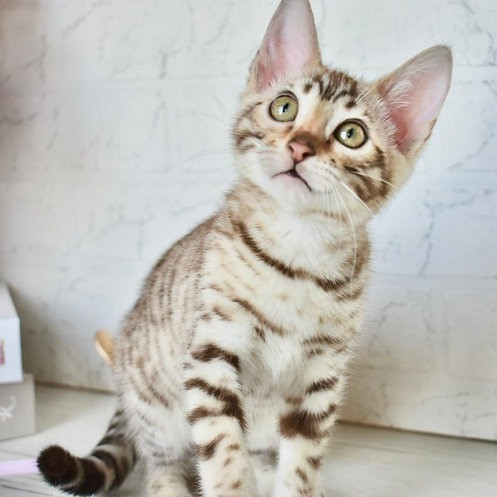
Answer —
(289, 46)
(414, 95)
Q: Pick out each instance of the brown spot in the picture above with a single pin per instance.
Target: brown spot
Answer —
(350, 104)
(236, 484)
(232, 406)
(314, 462)
(338, 96)
(117, 465)
(249, 109)
(294, 401)
(208, 450)
(307, 88)
(227, 462)
(321, 385)
(233, 447)
(302, 475)
(351, 294)
(260, 333)
(242, 135)
(220, 313)
(211, 352)
(245, 304)
(329, 91)
(216, 288)
(138, 388)
(314, 352)
(158, 395)
(245, 148)
(148, 393)
(303, 423)
(202, 413)
(329, 340)
(323, 213)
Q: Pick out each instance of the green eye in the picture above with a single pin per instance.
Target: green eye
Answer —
(351, 134)
(284, 108)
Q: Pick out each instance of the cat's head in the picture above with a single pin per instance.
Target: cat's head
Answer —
(318, 139)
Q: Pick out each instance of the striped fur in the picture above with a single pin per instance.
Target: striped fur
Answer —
(103, 470)
(239, 342)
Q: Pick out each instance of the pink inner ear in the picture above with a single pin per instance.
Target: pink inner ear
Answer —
(290, 43)
(415, 93)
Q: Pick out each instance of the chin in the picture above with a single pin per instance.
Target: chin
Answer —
(290, 193)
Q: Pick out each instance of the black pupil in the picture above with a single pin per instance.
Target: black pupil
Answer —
(285, 107)
(350, 132)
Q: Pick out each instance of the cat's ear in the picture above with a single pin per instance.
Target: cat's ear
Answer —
(289, 46)
(414, 95)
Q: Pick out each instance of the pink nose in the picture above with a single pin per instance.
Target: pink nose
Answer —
(300, 151)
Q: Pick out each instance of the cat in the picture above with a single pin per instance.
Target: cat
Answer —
(240, 339)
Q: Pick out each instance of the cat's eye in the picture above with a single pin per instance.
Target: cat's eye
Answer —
(351, 134)
(284, 108)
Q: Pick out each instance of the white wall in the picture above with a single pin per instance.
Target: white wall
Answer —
(114, 141)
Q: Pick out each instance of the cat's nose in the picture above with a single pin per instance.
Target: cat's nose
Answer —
(301, 149)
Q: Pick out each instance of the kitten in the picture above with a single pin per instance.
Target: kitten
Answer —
(240, 340)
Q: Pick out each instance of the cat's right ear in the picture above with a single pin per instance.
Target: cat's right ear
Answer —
(414, 95)
(289, 46)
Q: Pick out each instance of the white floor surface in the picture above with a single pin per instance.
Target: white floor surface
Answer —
(363, 461)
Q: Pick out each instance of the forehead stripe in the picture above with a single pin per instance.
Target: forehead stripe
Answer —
(343, 93)
(319, 81)
(307, 88)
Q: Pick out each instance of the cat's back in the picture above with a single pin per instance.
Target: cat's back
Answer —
(168, 302)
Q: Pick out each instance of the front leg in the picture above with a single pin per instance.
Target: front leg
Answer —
(215, 410)
(306, 423)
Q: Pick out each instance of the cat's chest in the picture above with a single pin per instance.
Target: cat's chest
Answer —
(292, 316)
(293, 310)
(275, 362)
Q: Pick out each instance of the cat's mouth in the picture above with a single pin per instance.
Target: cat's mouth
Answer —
(292, 173)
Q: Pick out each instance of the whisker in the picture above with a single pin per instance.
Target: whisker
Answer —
(356, 196)
(329, 199)
(352, 226)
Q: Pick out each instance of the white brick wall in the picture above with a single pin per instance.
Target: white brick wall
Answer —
(114, 141)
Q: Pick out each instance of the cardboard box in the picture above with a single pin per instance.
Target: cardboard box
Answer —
(10, 340)
(17, 408)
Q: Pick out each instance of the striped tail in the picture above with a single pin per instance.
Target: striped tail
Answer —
(103, 470)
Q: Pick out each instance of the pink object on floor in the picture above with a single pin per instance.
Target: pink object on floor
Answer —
(20, 467)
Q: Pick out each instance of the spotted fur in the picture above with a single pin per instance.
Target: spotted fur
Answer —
(239, 342)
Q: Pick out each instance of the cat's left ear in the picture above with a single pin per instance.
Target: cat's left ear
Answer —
(290, 45)
(414, 95)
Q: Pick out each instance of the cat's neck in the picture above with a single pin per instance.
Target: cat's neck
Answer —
(309, 238)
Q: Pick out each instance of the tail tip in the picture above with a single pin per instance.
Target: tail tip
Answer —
(57, 465)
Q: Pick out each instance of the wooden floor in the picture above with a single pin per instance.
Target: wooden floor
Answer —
(365, 462)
